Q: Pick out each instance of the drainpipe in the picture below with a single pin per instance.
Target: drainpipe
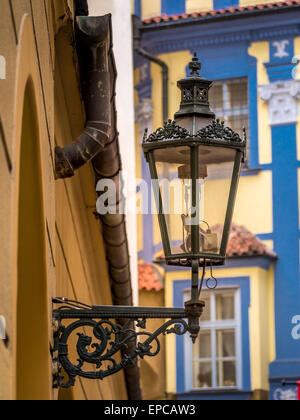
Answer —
(93, 38)
(137, 37)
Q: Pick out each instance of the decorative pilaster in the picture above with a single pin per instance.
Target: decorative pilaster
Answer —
(282, 99)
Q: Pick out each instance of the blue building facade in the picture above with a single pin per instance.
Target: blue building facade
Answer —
(256, 47)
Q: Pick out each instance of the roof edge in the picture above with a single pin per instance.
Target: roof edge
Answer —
(164, 21)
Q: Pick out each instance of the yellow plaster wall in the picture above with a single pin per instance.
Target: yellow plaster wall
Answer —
(153, 368)
(271, 309)
(74, 253)
(140, 225)
(22, 66)
(260, 50)
(151, 8)
(255, 2)
(157, 234)
(6, 191)
(171, 382)
(199, 5)
(269, 244)
(216, 199)
(32, 329)
(253, 207)
(136, 76)
(177, 64)
(261, 323)
(261, 328)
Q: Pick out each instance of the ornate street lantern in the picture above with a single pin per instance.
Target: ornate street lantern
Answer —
(192, 151)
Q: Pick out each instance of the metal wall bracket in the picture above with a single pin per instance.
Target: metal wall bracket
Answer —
(100, 359)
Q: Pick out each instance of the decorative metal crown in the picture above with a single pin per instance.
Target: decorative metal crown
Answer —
(194, 93)
(215, 131)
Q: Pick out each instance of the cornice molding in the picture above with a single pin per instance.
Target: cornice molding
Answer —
(190, 34)
(191, 41)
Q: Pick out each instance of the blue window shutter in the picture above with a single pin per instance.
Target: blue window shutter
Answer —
(173, 7)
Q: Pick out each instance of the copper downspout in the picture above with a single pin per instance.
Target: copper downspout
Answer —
(93, 42)
(107, 164)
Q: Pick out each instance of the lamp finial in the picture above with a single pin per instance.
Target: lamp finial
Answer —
(195, 66)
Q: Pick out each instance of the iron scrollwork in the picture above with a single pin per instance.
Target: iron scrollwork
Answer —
(101, 352)
(170, 130)
(215, 131)
(218, 130)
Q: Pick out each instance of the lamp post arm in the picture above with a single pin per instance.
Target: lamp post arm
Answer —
(101, 336)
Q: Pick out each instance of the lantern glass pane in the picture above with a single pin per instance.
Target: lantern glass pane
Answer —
(192, 124)
(212, 188)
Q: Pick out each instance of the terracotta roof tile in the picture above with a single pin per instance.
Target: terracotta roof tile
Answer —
(243, 243)
(228, 11)
(148, 278)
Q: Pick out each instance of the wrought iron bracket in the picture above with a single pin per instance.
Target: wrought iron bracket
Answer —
(113, 328)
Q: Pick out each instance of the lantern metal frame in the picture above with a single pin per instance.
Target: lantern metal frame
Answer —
(214, 135)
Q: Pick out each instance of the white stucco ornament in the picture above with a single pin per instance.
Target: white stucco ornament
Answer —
(281, 48)
(282, 99)
(285, 395)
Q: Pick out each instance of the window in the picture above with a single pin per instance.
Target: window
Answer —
(215, 361)
(229, 100)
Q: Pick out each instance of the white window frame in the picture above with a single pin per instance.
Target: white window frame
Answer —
(226, 112)
(214, 325)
